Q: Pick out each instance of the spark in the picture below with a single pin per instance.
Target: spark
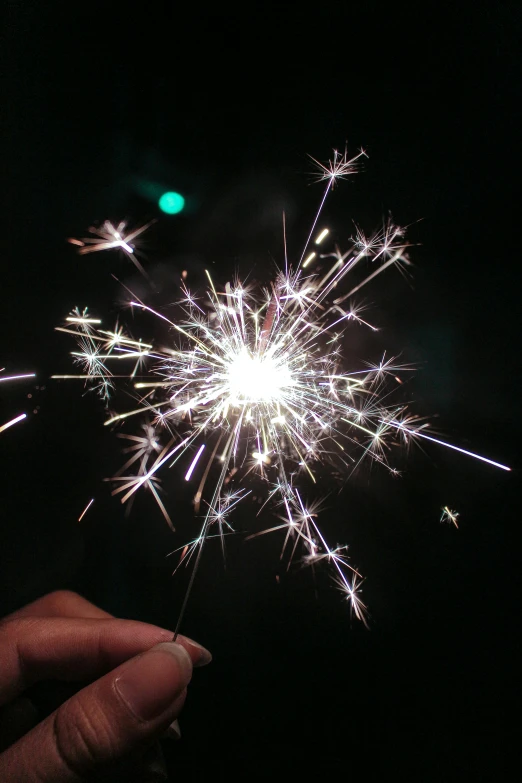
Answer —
(324, 233)
(97, 346)
(108, 237)
(88, 377)
(259, 375)
(352, 590)
(339, 167)
(194, 462)
(13, 421)
(17, 377)
(80, 320)
(418, 434)
(261, 458)
(449, 516)
(85, 510)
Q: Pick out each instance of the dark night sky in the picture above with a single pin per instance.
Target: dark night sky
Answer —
(225, 108)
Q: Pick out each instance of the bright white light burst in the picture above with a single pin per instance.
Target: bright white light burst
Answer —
(257, 379)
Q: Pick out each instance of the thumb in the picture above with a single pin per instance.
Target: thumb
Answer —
(123, 711)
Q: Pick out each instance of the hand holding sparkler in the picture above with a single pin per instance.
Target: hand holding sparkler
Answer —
(141, 689)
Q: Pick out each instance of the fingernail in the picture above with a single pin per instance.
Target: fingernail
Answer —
(151, 683)
(173, 732)
(204, 655)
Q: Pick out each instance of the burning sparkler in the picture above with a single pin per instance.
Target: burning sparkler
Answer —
(254, 382)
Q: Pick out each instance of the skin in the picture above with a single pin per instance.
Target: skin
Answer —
(136, 689)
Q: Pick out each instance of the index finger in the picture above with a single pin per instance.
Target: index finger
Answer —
(60, 603)
(72, 649)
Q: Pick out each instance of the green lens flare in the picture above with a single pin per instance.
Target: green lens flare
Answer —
(171, 203)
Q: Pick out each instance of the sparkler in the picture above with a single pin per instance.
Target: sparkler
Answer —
(253, 382)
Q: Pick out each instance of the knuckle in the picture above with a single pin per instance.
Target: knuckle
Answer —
(12, 628)
(7, 624)
(59, 598)
(83, 735)
(10, 632)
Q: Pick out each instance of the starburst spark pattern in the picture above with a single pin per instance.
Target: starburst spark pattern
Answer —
(449, 516)
(110, 237)
(96, 346)
(252, 382)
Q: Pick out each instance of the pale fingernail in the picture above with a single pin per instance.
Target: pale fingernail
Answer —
(152, 682)
(173, 732)
(204, 655)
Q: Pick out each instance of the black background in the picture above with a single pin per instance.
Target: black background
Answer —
(225, 106)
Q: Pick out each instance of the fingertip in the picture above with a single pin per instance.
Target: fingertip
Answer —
(180, 654)
(199, 655)
(152, 682)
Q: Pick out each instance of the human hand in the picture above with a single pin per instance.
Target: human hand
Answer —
(64, 637)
